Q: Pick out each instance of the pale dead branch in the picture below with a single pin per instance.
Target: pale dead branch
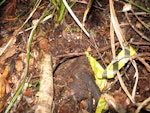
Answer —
(45, 99)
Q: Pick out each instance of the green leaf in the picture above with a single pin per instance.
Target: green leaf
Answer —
(3, 1)
(101, 105)
(96, 67)
(98, 70)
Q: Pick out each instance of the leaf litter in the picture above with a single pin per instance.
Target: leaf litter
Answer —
(74, 87)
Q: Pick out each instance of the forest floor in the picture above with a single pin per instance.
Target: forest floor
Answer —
(75, 90)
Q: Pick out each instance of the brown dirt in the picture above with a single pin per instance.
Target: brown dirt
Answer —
(74, 88)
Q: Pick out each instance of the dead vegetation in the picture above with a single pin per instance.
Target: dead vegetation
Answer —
(43, 66)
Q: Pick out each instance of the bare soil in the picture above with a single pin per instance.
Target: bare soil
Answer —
(75, 90)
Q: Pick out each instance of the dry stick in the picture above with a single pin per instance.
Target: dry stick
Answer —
(98, 6)
(144, 103)
(45, 100)
(140, 43)
(87, 11)
(88, 7)
(82, 27)
(116, 26)
(139, 13)
(145, 25)
(112, 39)
(124, 87)
(70, 54)
(136, 81)
(122, 41)
(6, 46)
(140, 55)
(145, 63)
(135, 29)
(103, 49)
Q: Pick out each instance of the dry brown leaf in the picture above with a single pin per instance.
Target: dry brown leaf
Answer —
(28, 92)
(2, 93)
(2, 87)
(6, 71)
(19, 65)
(10, 8)
(9, 53)
(70, 80)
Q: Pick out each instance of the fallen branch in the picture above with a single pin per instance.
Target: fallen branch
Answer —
(45, 100)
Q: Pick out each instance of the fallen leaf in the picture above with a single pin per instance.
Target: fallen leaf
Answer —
(19, 65)
(2, 87)
(9, 53)
(6, 71)
(28, 92)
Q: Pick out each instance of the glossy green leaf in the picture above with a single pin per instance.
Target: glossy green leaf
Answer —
(98, 70)
(96, 67)
(101, 106)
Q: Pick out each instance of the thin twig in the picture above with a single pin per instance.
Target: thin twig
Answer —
(144, 103)
(116, 26)
(140, 55)
(145, 25)
(124, 87)
(136, 80)
(112, 39)
(145, 63)
(70, 55)
(140, 43)
(87, 11)
(135, 29)
(123, 44)
(81, 26)
(6, 46)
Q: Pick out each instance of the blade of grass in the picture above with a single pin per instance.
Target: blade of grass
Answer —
(27, 63)
(62, 11)
(75, 18)
(81, 26)
(3, 1)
